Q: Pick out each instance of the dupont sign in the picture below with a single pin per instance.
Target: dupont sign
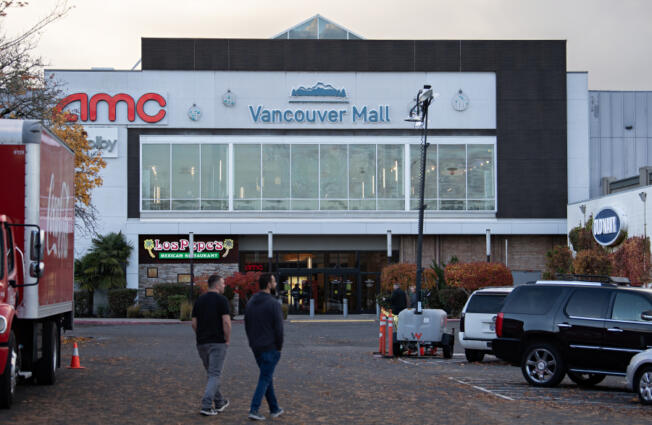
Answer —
(148, 108)
(609, 227)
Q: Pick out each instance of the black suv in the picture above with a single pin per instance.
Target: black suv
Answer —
(586, 329)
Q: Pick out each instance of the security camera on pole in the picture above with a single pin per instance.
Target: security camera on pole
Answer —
(422, 331)
(419, 115)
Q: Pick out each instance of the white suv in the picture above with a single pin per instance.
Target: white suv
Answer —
(478, 321)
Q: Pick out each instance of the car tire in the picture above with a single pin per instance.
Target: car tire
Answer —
(542, 365)
(9, 378)
(47, 365)
(448, 351)
(643, 384)
(474, 355)
(586, 380)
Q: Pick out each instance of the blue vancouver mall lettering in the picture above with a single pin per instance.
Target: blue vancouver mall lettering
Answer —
(278, 116)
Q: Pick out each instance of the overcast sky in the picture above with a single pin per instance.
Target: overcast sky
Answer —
(611, 39)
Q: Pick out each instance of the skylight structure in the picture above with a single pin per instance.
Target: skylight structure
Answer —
(318, 28)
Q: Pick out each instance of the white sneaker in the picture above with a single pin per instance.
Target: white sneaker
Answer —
(208, 412)
(278, 413)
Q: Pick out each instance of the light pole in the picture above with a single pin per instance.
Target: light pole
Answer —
(419, 115)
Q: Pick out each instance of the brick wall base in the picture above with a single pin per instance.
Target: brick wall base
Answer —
(169, 273)
(524, 253)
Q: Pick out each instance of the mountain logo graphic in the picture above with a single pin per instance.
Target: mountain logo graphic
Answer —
(319, 93)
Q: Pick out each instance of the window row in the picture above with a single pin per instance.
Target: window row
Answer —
(315, 177)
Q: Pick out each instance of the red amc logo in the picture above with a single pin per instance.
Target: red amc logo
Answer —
(132, 106)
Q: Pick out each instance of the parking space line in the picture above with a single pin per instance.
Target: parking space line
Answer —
(482, 389)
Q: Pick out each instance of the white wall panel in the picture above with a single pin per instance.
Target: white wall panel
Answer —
(640, 119)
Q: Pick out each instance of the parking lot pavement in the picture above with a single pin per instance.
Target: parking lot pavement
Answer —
(151, 374)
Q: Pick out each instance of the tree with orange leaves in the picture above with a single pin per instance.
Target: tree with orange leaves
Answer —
(87, 168)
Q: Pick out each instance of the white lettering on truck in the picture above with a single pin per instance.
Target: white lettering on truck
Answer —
(58, 224)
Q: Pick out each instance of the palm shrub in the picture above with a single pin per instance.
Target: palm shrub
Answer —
(559, 260)
(104, 265)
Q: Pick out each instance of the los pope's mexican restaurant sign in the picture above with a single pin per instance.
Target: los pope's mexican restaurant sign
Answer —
(175, 249)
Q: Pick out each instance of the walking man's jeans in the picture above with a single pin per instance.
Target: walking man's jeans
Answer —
(213, 356)
(267, 361)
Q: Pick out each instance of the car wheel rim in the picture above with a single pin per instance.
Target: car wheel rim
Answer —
(645, 386)
(541, 365)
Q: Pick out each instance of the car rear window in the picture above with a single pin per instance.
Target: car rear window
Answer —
(532, 299)
(485, 303)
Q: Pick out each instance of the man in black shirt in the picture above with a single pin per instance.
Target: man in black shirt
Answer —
(264, 326)
(398, 300)
(212, 325)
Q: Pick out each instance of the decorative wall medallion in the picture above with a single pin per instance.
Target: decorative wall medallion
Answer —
(228, 99)
(194, 113)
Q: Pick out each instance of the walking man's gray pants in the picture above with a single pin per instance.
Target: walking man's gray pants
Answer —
(213, 356)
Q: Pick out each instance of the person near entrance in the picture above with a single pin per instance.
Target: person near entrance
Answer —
(296, 297)
(264, 327)
(212, 325)
(413, 297)
(398, 300)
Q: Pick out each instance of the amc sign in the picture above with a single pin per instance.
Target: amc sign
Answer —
(149, 108)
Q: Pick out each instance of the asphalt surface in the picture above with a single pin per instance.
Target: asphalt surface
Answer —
(151, 374)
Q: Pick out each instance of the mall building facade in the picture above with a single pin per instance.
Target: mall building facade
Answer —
(293, 155)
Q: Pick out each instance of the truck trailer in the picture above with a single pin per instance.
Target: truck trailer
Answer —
(36, 252)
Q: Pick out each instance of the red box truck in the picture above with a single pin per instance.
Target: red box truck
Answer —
(36, 252)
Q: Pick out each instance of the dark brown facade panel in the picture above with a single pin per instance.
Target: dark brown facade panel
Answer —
(167, 54)
(533, 85)
(211, 54)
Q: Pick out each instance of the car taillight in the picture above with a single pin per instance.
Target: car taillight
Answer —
(499, 325)
(462, 323)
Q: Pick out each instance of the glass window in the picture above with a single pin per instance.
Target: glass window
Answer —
(333, 174)
(247, 174)
(480, 178)
(532, 299)
(430, 190)
(362, 177)
(390, 177)
(486, 303)
(305, 31)
(185, 177)
(276, 177)
(452, 176)
(155, 177)
(629, 307)
(591, 303)
(214, 177)
(328, 30)
(305, 177)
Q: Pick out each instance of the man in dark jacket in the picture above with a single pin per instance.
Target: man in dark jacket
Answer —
(398, 299)
(264, 326)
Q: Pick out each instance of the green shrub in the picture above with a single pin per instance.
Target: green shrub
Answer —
(146, 314)
(229, 292)
(102, 311)
(558, 260)
(133, 311)
(164, 290)
(82, 303)
(120, 300)
(581, 237)
(174, 305)
(285, 308)
(185, 311)
(453, 300)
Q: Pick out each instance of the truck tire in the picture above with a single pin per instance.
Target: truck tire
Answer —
(47, 365)
(474, 355)
(448, 351)
(9, 378)
(543, 365)
(586, 380)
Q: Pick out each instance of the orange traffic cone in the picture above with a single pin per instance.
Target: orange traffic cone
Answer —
(74, 363)
(381, 335)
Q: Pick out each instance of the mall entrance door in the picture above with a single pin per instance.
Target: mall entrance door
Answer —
(327, 288)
